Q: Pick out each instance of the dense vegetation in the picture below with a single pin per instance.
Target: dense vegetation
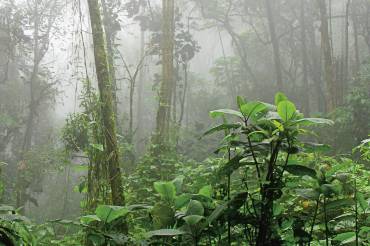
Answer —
(263, 140)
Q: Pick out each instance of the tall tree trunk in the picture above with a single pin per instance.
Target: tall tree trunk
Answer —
(327, 52)
(140, 109)
(110, 37)
(306, 94)
(166, 89)
(23, 184)
(344, 79)
(315, 70)
(355, 36)
(275, 44)
(107, 111)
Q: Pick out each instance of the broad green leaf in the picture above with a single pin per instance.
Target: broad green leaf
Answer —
(240, 101)
(166, 190)
(206, 191)
(178, 182)
(252, 109)
(345, 217)
(361, 200)
(340, 203)
(217, 213)
(182, 200)
(329, 189)
(286, 110)
(221, 128)
(315, 147)
(165, 233)
(222, 112)
(344, 237)
(309, 194)
(195, 208)
(300, 170)
(108, 213)
(314, 121)
(192, 220)
(87, 219)
(279, 97)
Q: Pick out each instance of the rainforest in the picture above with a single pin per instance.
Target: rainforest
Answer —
(185, 122)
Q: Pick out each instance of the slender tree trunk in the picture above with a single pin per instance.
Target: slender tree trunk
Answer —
(184, 93)
(275, 44)
(140, 110)
(343, 87)
(355, 37)
(327, 52)
(306, 95)
(166, 89)
(315, 70)
(107, 111)
(22, 184)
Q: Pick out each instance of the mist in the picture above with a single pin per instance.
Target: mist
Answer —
(200, 122)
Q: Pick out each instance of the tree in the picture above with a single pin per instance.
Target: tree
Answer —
(162, 137)
(275, 44)
(40, 89)
(328, 60)
(106, 99)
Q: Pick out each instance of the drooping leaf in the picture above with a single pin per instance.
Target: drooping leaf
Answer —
(166, 190)
(309, 194)
(340, 203)
(108, 213)
(165, 233)
(315, 147)
(314, 121)
(286, 110)
(222, 112)
(192, 220)
(217, 213)
(222, 127)
(87, 219)
(345, 237)
(300, 170)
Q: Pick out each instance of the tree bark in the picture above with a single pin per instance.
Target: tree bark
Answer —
(306, 94)
(107, 110)
(166, 89)
(275, 44)
(327, 52)
(355, 37)
(109, 37)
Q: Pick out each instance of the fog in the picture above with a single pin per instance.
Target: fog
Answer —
(115, 104)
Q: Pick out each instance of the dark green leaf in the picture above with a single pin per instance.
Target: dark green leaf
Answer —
(300, 170)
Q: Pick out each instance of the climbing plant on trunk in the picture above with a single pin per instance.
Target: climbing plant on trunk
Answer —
(106, 99)
(161, 137)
